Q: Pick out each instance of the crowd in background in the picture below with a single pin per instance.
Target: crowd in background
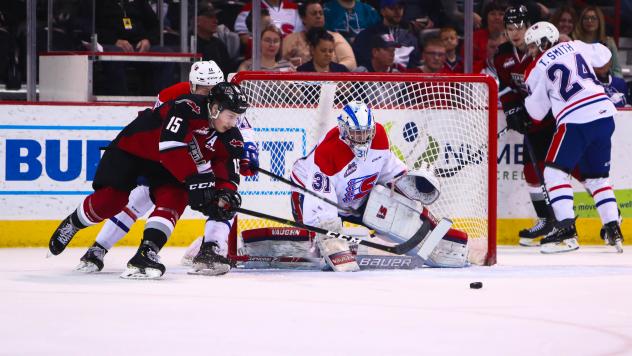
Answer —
(307, 36)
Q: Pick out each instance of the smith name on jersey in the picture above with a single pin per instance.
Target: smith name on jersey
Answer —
(565, 74)
(333, 171)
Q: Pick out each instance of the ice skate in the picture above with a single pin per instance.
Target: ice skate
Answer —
(563, 238)
(611, 234)
(542, 227)
(145, 264)
(62, 236)
(208, 262)
(92, 260)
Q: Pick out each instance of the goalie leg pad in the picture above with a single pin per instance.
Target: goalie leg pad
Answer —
(451, 252)
(337, 254)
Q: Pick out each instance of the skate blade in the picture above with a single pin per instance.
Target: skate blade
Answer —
(618, 244)
(87, 267)
(136, 273)
(202, 270)
(49, 254)
(186, 261)
(567, 245)
(526, 242)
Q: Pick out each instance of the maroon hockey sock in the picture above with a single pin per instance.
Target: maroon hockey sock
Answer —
(104, 203)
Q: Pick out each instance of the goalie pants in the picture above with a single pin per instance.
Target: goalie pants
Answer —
(117, 175)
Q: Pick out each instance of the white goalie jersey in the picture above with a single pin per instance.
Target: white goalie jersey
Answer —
(332, 171)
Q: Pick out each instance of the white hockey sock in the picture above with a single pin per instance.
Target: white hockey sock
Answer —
(604, 198)
(560, 190)
(115, 228)
(217, 231)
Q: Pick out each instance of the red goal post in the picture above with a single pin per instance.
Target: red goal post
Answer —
(446, 120)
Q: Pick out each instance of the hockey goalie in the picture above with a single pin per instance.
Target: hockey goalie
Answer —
(352, 176)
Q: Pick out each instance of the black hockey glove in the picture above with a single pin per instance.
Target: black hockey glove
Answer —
(224, 205)
(201, 189)
(518, 119)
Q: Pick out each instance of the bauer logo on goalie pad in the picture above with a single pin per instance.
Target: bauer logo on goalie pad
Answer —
(382, 211)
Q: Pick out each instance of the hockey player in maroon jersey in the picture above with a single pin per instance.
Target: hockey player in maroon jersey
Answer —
(156, 145)
(510, 62)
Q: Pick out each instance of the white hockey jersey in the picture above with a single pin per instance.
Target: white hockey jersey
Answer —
(285, 17)
(563, 79)
(332, 171)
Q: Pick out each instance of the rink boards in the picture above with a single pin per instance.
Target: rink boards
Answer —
(49, 154)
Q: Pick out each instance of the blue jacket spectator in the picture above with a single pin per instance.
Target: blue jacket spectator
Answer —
(349, 17)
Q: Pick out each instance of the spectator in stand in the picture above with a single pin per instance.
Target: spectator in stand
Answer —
(284, 14)
(270, 52)
(382, 55)
(211, 47)
(615, 87)
(565, 19)
(493, 27)
(407, 52)
(266, 20)
(131, 26)
(433, 56)
(296, 48)
(349, 17)
(591, 29)
(321, 46)
(453, 9)
(453, 62)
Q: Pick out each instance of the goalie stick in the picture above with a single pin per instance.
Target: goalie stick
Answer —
(398, 249)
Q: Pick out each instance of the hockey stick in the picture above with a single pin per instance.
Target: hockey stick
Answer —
(303, 189)
(398, 249)
(539, 175)
(502, 132)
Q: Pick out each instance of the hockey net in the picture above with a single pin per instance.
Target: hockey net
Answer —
(446, 120)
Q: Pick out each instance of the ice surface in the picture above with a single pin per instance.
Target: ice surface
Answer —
(531, 304)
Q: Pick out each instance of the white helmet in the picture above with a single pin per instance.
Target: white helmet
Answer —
(205, 73)
(357, 127)
(543, 34)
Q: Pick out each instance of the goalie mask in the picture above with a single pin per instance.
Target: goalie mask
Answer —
(357, 127)
(205, 73)
(543, 34)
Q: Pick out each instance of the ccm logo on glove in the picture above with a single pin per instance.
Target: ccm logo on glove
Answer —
(202, 185)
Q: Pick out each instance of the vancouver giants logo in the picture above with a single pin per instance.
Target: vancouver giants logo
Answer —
(358, 188)
(194, 107)
(236, 143)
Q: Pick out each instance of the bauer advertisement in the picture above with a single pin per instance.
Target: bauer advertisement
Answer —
(49, 154)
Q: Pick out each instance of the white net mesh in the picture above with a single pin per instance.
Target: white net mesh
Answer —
(443, 123)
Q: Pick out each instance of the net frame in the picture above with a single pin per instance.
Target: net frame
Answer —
(490, 106)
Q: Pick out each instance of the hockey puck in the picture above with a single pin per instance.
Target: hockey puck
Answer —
(476, 285)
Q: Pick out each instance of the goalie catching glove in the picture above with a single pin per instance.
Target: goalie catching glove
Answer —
(421, 185)
(518, 119)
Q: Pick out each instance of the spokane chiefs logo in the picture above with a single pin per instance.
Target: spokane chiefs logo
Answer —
(358, 188)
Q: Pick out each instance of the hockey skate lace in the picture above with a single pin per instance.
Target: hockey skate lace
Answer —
(66, 233)
(97, 252)
(153, 256)
(538, 226)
